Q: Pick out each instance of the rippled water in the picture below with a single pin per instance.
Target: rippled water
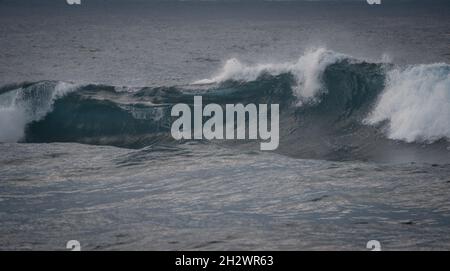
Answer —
(210, 197)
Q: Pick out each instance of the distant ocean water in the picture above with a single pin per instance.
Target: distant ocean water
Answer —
(87, 154)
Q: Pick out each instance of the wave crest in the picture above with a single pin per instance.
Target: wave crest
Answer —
(307, 72)
(415, 103)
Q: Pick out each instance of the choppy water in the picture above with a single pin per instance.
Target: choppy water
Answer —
(209, 197)
(364, 133)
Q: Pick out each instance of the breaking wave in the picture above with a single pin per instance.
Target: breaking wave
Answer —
(332, 106)
(416, 103)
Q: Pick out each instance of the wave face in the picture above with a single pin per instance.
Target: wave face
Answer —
(332, 106)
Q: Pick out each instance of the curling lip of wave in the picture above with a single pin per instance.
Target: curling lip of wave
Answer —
(18, 106)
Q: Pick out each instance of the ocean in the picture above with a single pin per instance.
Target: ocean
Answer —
(85, 125)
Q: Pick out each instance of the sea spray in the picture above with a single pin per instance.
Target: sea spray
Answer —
(415, 103)
(307, 72)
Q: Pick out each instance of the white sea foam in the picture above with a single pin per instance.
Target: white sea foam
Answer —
(307, 71)
(24, 105)
(416, 103)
